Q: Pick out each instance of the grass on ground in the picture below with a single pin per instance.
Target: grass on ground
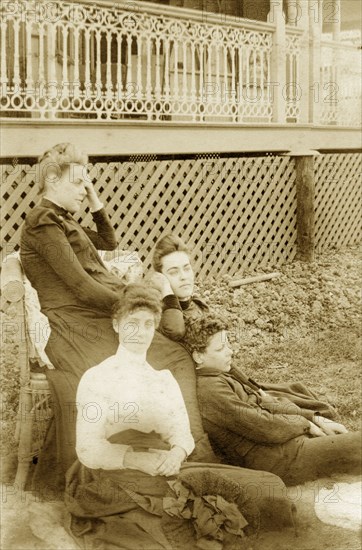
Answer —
(328, 363)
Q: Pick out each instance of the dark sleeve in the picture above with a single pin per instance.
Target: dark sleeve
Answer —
(104, 238)
(277, 405)
(301, 395)
(47, 237)
(172, 324)
(223, 407)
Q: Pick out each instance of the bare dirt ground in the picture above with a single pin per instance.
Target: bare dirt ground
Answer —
(31, 525)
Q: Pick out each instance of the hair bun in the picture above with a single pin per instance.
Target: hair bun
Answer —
(59, 156)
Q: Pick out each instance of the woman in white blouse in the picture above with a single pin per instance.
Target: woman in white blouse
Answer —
(125, 393)
(132, 438)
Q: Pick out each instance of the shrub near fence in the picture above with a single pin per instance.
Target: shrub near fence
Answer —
(234, 211)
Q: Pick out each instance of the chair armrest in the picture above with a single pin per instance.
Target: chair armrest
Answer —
(12, 282)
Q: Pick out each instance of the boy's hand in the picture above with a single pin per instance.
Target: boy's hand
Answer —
(329, 427)
(315, 431)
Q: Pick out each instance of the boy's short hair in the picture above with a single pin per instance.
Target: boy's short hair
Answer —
(136, 296)
(57, 160)
(165, 246)
(199, 331)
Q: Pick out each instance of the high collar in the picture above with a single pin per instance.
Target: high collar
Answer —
(57, 209)
(249, 385)
(129, 357)
(194, 300)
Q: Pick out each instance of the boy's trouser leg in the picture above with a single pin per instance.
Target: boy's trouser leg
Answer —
(303, 458)
(323, 456)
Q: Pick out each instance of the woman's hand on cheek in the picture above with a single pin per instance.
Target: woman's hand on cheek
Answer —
(160, 281)
(92, 197)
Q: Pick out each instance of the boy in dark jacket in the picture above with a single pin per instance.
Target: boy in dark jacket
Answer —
(256, 430)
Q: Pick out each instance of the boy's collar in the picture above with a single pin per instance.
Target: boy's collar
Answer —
(205, 371)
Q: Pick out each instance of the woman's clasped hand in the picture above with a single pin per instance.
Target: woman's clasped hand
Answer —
(156, 462)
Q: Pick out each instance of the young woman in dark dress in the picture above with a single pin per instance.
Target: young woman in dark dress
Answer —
(75, 290)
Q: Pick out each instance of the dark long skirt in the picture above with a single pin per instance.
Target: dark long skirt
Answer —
(127, 509)
(79, 340)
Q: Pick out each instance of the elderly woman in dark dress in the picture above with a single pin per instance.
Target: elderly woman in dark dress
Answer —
(75, 290)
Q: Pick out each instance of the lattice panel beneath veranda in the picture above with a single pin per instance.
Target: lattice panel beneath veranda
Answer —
(338, 200)
(234, 212)
(18, 196)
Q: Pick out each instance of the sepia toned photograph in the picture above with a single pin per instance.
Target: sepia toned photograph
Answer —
(181, 274)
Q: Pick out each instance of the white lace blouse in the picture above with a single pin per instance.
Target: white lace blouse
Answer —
(121, 393)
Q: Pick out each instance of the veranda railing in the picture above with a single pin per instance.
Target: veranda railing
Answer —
(340, 84)
(110, 61)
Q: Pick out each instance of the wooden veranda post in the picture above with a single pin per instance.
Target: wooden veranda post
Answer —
(303, 23)
(315, 31)
(305, 182)
(278, 64)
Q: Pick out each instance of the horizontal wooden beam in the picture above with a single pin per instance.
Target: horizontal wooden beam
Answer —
(125, 138)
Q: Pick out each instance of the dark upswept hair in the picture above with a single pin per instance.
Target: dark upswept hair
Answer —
(58, 158)
(167, 245)
(199, 331)
(136, 296)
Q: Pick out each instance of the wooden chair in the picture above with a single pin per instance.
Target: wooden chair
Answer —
(34, 409)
